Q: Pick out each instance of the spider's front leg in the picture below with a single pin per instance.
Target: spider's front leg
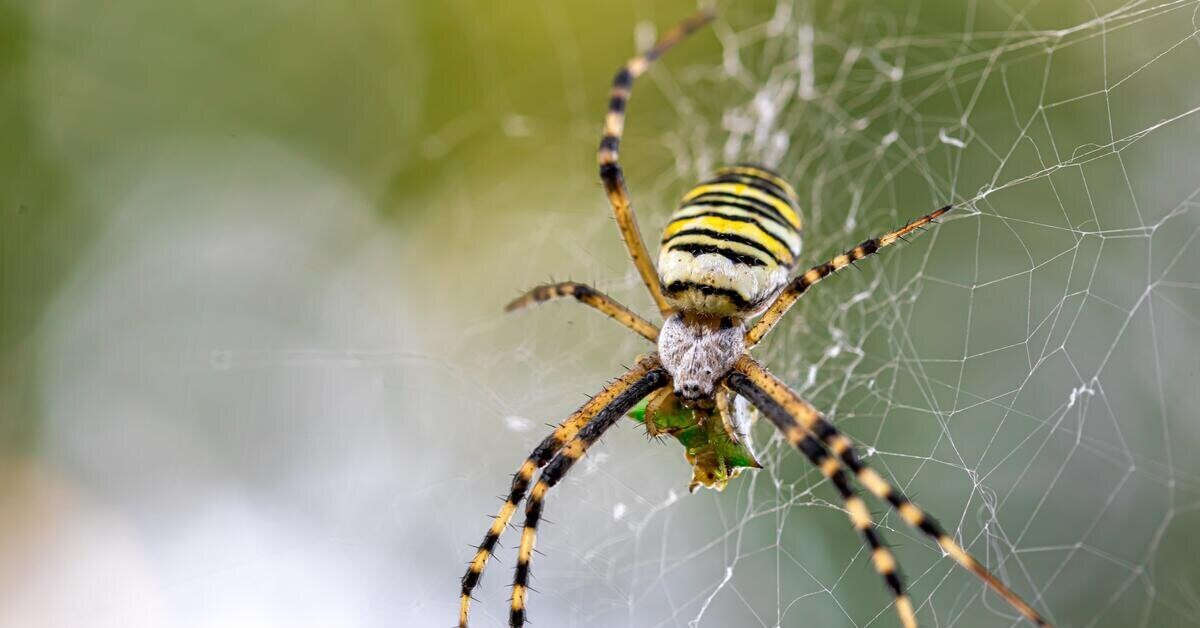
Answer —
(607, 155)
(588, 296)
(794, 290)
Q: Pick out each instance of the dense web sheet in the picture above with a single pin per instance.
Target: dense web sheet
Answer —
(1025, 370)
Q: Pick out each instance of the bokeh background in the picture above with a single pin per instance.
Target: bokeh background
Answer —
(253, 370)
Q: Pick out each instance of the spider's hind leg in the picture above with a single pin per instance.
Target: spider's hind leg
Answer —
(860, 516)
(800, 419)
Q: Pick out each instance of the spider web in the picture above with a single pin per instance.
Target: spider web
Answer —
(1026, 370)
(264, 404)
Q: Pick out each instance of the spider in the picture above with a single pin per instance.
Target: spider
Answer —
(725, 257)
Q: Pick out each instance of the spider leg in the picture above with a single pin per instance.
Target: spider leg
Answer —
(620, 401)
(654, 405)
(588, 296)
(787, 408)
(800, 284)
(725, 409)
(610, 170)
(564, 433)
(882, 558)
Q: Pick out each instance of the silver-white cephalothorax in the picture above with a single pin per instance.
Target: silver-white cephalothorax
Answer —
(699, 350)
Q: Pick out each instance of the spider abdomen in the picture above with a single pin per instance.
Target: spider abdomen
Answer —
(732, 243)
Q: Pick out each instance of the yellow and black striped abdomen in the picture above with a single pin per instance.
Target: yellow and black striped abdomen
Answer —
(732, 243)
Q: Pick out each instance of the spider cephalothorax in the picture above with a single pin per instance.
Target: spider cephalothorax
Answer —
(698, 351)
(726, 256)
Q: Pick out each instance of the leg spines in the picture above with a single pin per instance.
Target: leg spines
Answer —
(618, 404)
(516, 616)
(863, 250)
(464, 609)
(543, 453)
(533, 512)
(543, 293)
(520, 484)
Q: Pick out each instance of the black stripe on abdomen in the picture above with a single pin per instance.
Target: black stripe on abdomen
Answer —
(723, 237)
(758, 183)
(750, 204)
(697, 249)
(734, 296)
(750, 220)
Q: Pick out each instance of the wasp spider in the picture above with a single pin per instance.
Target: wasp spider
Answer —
(725, 257)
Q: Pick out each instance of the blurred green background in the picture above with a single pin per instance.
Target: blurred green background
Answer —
(253, 369)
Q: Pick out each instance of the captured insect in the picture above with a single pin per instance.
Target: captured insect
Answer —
(725, 257)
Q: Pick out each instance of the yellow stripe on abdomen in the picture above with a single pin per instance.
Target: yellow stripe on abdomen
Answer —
(754, 235)
(732, 243)
(749, 192)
